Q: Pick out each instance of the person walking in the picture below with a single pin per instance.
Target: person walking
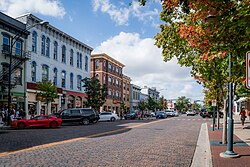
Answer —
(243, 117)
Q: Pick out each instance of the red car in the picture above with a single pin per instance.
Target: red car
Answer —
(38, 121)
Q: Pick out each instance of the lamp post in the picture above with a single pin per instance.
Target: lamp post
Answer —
(12, 43)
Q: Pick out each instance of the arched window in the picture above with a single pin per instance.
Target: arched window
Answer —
(48, 47)
(97, 63)
(64, 79)
(97, 76)
(79, 82)
(55, 50)
(34, 41)
(71, 80)
(33, 71)
(45, 73)
(104, 64)
(80, 61)
(55, 77)
(71, 59)
(43, 45)
(86, 63)
(63, 54)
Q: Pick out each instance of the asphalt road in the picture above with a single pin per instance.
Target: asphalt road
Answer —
(167, 142)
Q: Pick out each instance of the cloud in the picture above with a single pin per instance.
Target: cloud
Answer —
(144, 64)
(16, 8)
(121, 15)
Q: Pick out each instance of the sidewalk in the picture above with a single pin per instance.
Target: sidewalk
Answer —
(241, 145)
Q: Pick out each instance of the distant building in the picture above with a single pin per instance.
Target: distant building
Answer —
(153, 93)
(58, 57)
(12, 33)
(109, 72)
(126, 92)
(134, 96)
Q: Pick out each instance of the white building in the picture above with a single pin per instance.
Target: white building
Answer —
(58, 57)
(134, 96)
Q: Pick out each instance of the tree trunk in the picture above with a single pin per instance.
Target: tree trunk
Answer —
(224, 134)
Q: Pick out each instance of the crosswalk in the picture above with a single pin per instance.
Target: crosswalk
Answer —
(188, 119)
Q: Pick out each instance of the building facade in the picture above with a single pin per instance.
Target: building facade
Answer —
(134, 96)
(13, 43)
(153, 93)
(57, 57)
(126, 92)
(110, 72)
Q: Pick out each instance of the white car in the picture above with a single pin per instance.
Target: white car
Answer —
(108, 116)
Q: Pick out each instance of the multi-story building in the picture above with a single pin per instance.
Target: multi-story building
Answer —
(134, 96)
(153, 93)
(58, 57)
(109, 72)
(126, 92)
(13, 43)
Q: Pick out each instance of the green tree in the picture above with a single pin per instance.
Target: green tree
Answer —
(152, 104)
(161, 103)
(183, 103)
(46, 92)
(96, 93)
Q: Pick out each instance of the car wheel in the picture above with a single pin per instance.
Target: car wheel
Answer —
(53, 124)
(85, 121)
(112, 119)
(21, 125)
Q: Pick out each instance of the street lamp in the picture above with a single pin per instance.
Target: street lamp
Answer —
(12, 43)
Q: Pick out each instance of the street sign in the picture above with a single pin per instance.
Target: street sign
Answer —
(248, 69)
(214, 103)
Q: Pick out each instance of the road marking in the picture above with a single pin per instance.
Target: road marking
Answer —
(75, 139)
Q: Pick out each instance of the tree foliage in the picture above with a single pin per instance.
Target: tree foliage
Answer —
(183, 103)
(96, 93)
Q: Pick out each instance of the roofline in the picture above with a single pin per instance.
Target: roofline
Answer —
(107, 56)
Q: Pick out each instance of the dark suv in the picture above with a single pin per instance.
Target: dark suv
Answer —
(82, 115)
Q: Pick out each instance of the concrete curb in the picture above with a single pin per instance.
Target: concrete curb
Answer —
(202, 156)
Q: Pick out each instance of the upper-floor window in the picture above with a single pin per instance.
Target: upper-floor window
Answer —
(71, 58)
(33, 71)
(55, 50)
(18, 47)
(117, 83)
(79, 82)
(117, 70)
(97, 63)
(80, 61)
(45, 73)
(63, 54)
(18, 76)
(6, 43)
(110, 67)
(104, 64)
(43, 45)
(86, 63)
(34, 41)
(71, 80)
(104, 79)
(55, 77)
(63, 79)
(48, 47)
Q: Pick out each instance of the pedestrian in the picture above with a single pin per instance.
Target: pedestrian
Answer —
(243, 116)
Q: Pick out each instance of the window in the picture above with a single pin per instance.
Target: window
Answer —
(55, 77)
(43, 45)
(55, 50)
(5, 72)
(63, 54)
(18, 47)
(79, 82)
(104, 79)
(34, 41)
(86, 63)
(71, 59)
(6, 43)
(18, 76)
(80, 61)
(110, 80)
(45, 73)
(71, 80)
(48, 47)
(117, 70)
(97, 63)
(110, 67)
(117, 83)
(97, 76)
(104, 65)
(33, 71)
(63, 79)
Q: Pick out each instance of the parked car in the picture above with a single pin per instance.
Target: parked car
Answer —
(108, 116)
(170, 113)
(161, 114)
(81, 115)
(131, 115)
(38, 121)
(210, 114)
(191, 112)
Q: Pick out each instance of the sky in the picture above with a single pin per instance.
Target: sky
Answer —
(120, 28)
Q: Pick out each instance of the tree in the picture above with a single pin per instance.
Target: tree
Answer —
(122, 109)
(46, 92)
(152, 104)
(182, 104)
(96, 93)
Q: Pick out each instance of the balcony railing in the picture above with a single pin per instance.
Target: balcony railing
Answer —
(16, 52)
